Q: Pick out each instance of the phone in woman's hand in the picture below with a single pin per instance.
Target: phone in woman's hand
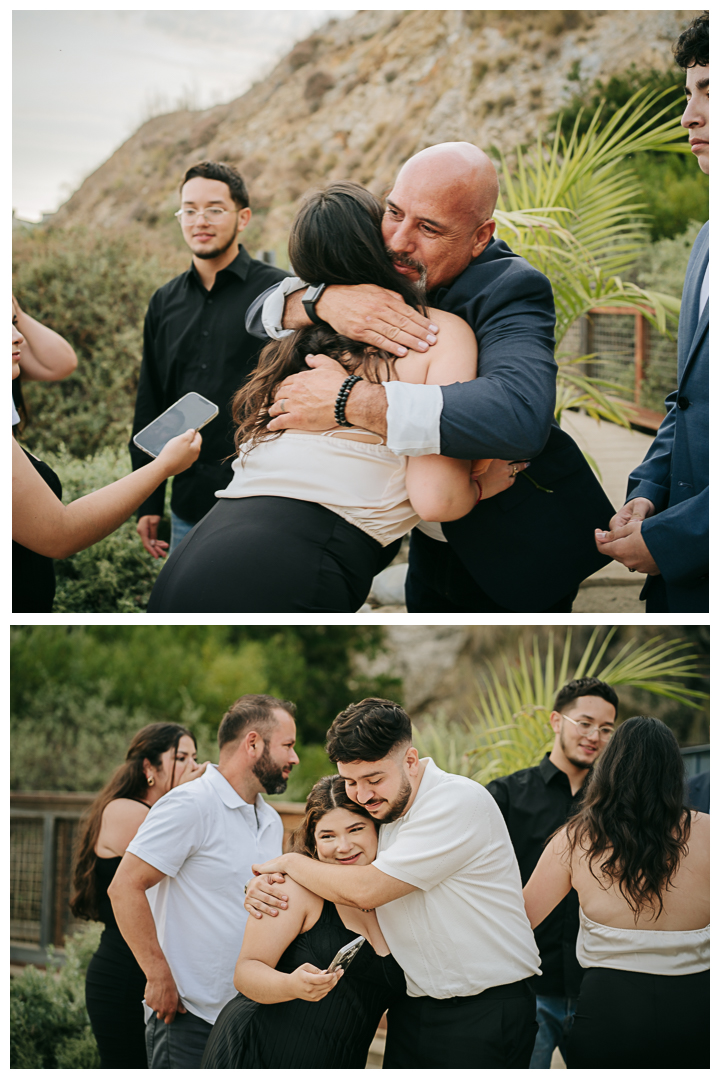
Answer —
(190, 411)
(345, 956)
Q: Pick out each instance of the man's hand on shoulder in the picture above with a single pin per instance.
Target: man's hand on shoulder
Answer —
(376, 316)
(265, 895)
(307, 400)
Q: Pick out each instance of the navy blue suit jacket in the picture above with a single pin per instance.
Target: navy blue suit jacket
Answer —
(526, 548)
(674, 474)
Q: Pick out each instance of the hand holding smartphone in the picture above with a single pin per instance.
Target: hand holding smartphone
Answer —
(345, 956)
(190, 411)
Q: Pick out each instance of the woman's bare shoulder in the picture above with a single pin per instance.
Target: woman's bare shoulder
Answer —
(120, 810)
(446, 320)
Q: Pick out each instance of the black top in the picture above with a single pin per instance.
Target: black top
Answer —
(33, 574)
(335, 1032)
(535, 802)
(196, 340)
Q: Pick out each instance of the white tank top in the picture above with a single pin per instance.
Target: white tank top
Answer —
(655, 952)
(362, 482)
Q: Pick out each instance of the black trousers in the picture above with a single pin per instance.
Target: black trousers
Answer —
(495, 1029)
(114, 990)
(630, 1020)
(438, 581)
(270, 554)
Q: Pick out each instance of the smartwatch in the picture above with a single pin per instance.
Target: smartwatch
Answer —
(310, 299)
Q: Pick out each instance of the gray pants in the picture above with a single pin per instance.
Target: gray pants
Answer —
(179, 1045)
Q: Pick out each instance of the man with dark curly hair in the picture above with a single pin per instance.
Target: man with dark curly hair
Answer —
(663, 528)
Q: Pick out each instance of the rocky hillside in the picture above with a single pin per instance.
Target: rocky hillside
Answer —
(360, 96)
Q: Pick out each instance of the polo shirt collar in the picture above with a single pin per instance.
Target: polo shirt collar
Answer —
(229, 795)
(240, 266)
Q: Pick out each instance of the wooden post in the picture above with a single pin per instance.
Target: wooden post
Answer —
(641, 343)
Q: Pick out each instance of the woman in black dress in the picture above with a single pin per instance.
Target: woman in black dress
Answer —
(290, 1013)
(44, 529)
(160, 757)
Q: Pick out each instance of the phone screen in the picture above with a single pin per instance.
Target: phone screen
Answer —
(347, 954)
(191, 411)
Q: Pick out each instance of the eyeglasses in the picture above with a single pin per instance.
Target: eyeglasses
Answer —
(586, 728)
(210, 213)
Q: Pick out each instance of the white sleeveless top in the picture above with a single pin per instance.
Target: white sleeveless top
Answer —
(654, 952)
(362, 482)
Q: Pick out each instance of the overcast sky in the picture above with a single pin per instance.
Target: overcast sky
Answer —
(83, 81)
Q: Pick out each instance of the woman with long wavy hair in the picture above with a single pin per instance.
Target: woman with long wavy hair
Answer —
(639, 861)
(160, 757)
(310, 517)
(291, 1013)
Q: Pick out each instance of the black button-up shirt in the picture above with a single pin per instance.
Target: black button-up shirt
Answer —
(196, 339)
(535, 802)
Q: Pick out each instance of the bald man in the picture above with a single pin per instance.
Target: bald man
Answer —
(527, 548)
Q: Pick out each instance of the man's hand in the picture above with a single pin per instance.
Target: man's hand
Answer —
(625, 544)
(312, 984)
(307, 400)
(494, 475)
(377, 316)
(265, 894)
(161, 995)
(635, 510)
(147, 528)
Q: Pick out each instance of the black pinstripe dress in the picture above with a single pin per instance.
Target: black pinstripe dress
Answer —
(333, 1033)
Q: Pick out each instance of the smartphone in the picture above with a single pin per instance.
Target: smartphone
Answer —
(191, 411)
(347, 954)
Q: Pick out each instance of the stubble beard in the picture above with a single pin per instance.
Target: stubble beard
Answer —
(270, 774)
(396, 809)
(216, 252)
(581, 763)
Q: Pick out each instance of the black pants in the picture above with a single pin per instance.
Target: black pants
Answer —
(114, 990)
(629, 1020)
(438, 581)
(495, 1029)
(270, 554)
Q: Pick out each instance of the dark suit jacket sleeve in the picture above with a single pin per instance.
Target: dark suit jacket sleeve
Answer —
(678, 539)
(508, 410)
(148, 405)
(651, 479)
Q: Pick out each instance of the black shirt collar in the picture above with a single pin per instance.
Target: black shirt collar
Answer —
(240, 266)
(548, 771)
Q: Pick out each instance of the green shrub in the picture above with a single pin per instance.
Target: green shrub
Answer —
(662, 265)
(49, 1025)
(92, 287)
(116, 574)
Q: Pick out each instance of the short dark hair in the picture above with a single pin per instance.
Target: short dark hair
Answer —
(368, 731)
(251, 710)
(584, 688)
(692, 48)
(226, 174)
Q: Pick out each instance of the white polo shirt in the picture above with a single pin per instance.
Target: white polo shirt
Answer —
(204, 838)
(464, 929)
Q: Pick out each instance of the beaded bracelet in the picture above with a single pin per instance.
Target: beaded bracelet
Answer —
(341, 399)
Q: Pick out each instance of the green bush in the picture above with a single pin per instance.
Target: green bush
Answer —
(79, 693)
(49, 1025)
(674, 189)
(662, 265)
(116, 574)
(92, 287)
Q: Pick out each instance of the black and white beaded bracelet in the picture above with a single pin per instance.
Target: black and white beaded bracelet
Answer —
(341, 399)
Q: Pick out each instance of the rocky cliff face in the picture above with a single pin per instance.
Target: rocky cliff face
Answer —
(359, 97)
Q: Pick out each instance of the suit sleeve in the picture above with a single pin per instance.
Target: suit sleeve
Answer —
(651, 479)
(678, 539)
(508, 410)
(148, 405)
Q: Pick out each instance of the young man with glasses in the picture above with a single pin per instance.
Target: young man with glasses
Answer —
(537, 801)
(195, 339)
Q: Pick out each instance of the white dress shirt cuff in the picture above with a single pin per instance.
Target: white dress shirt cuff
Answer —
(413, 418)
(274, 307)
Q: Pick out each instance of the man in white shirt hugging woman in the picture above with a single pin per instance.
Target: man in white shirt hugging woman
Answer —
(446, 886)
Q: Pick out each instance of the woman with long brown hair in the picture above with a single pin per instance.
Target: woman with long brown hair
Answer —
(639, 861)
(160, 757)
(311, 517)
(290, 1012)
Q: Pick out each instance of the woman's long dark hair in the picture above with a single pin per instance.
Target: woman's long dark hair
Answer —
(328, 794)
(633, 820)
(127, 782)
(336, 238)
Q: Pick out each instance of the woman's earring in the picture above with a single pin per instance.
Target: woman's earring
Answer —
(150, 781)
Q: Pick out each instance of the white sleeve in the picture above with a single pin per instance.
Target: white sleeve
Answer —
(444, 834)
(274, 306)
(413, 418)
(170, 834)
